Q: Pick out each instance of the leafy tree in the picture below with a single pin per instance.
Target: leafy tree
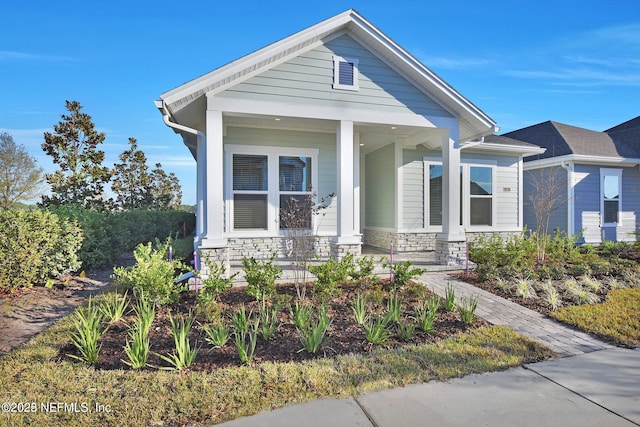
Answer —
(73, 146)
(165, 189)
(132, 180)
(20, 176)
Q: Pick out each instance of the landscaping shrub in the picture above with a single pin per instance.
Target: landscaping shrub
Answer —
(153, 275)
(36, 245)
(500, 257)
(109, 234)
(261, 277)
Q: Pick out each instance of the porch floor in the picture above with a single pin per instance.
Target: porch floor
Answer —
(425, 260)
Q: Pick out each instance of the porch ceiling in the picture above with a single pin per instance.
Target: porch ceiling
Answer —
(372, 136)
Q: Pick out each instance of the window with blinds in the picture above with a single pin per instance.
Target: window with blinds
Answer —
(611, 188)
(250, 191)
(295, 174)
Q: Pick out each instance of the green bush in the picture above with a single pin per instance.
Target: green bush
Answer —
(109, 234)
(261, 277)
(153, 275)
(36, 245)
(500, 257)
(331, 273)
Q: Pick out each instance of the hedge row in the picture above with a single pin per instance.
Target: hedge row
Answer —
(109, 234)
(36, 245)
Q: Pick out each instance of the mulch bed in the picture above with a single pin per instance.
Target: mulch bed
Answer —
(344, 335)
(532, 304)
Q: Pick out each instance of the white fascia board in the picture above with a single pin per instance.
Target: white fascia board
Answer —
(518, 149)
(578, 158)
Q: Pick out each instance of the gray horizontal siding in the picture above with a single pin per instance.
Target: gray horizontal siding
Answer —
(413, 183)
(308, 79)
(380, 188)
(536, 185)
(587, 202)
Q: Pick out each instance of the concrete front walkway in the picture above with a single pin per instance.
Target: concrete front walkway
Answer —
(562, 339)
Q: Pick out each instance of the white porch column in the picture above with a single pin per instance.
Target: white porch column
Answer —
(356, 182)
(345, 165)
(213, 178)
(451, 230)
(200, 190)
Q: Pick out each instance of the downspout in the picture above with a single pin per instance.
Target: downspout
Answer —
(570, 192)
(201, 140)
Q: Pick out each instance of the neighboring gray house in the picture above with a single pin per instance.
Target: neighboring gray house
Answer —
(341, 108)
(600, 177)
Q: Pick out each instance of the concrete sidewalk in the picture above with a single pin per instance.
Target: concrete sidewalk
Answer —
(601, 388)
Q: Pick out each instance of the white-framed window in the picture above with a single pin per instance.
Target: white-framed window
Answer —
(345, 73)
(477, 194)
(259, 181)
(610, 196)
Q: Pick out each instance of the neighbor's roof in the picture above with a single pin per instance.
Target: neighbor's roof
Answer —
(633, 124)
(561, 140)
(473, 121)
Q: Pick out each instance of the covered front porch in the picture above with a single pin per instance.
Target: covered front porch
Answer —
(367, 206)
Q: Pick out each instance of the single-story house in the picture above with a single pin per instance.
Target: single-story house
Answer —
(340, 109)
(597, 176)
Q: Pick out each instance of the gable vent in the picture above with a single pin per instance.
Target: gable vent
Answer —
(345, 73)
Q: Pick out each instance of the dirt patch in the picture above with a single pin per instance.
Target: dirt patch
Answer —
(29, 311)
(344, 335)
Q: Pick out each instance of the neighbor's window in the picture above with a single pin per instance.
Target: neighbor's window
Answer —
(295, 191)
(611, 186)
(250, 191)
(345, 73)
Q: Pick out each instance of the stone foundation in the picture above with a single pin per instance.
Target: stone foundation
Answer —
(402, 242)
(338, 251)
(451, 253)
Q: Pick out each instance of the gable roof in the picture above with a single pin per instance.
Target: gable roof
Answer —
(633, 124)
(473, 122)
(561, 140)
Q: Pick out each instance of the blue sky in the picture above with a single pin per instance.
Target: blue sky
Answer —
(521, 62)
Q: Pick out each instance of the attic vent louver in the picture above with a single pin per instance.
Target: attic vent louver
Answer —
(345, 73)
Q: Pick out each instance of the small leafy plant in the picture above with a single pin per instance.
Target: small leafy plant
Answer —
(217, 334)
(394, 308)
(405, 329)
(313, 332)
(138, 346)
(301, 314)
(450, 298)
(425, 316)
(261, 277)
(403, 272)
(184, 354)
(240, 320)
(331, 273)
(217, 281)
(153, 274)
(359, 307)
(375, 330)
(268, 321)
(246, 342)
(467, 309)
(524, 289)
(114, 307)
(87, 325)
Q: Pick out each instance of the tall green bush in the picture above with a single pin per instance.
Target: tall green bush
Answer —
(109, 234)
(503, 257)
(36, 245)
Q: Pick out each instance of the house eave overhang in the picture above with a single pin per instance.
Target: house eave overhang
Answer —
(504, 148)
(473, 122)
(581, 159)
